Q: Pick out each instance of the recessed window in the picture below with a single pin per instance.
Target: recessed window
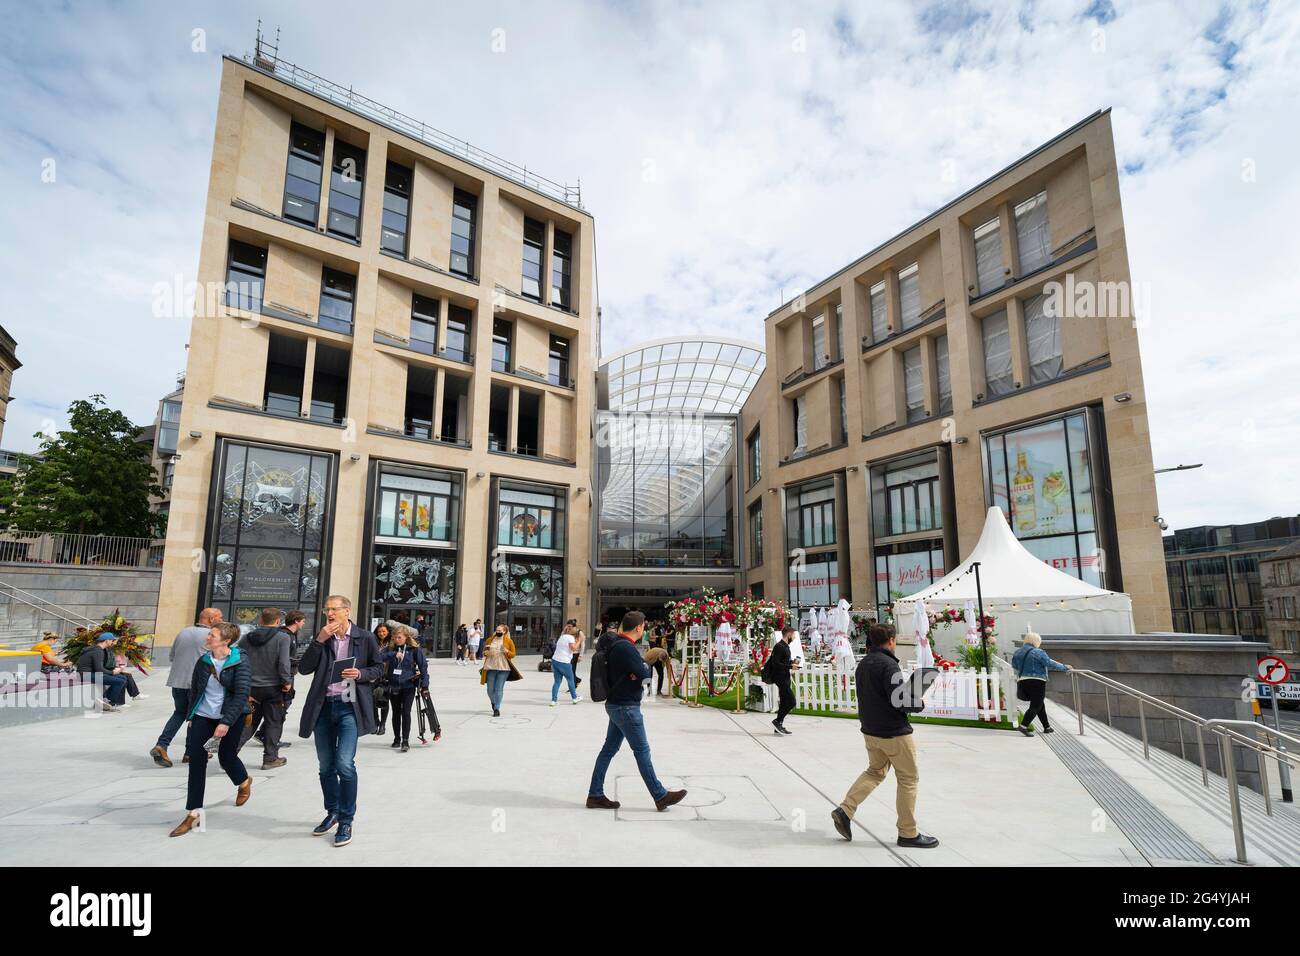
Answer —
(1043, 340)
(844, 411)
(914, 385)
(286, 366)
(245, 276)
(534, 240)
(1033, 236)
(528, 430)
(839, 332)
(997, 355)
(502, 334)
(499, 418)
(455, 409)
(336, 295)
(800, 426)
(988, 257)
(558, 373)
(879, 313)
(754, 456)
(302, 177)
(421, 384)
(944, 373)
(397, 209)
(820, 358)
(329, 384)
(463, 207)
(168, 427)
(424, 324)
(810, 519)
(458, 338)
(346, 178)
(909, 296)
(756, 534)
(562, 270)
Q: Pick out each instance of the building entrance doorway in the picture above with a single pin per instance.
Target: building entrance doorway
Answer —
(432, 622)
(530, 628)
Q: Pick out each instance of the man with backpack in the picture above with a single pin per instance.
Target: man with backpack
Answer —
(617, 671)
(776, 671)
(267, 650)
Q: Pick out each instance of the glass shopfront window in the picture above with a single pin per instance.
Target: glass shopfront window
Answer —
(269, 536)
(810, 514)
(529, 600)
(417, 504)
(530, 516)
(1041, 476)
(814, 581)
(905, 568)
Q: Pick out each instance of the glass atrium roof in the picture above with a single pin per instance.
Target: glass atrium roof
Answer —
(695, 374)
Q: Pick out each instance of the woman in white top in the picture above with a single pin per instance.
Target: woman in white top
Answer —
(562, 664)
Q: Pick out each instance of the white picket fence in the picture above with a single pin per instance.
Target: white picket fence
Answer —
(963, 693)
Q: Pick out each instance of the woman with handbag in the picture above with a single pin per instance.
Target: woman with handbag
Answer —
(219, 689)
(498, 666)
(384, 635)
(1031, 665)
(406, 673)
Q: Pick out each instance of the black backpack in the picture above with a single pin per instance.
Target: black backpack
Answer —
(766, 673)
(599, 688)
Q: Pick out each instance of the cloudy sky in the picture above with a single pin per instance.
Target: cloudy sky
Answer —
(732, 154)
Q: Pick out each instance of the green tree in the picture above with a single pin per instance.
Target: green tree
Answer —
(94, 478)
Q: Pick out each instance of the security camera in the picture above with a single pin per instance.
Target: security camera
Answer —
(1161, 523)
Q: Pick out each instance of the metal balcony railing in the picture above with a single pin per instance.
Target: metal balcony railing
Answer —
(71, 550)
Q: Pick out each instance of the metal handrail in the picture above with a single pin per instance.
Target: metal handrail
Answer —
(56, 610)
(1220, 727)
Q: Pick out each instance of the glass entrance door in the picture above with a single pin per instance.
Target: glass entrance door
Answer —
(432, 622)
(530, 629)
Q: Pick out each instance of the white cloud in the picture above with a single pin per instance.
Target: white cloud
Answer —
(777, 157)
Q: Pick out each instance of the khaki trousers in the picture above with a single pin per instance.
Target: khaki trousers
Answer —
(883, 753)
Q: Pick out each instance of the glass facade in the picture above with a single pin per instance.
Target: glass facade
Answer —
(690, 375)
(814, 581)
(907, 524)
(1041, 476)
(268, 536)
(666, 491)
(528, 577)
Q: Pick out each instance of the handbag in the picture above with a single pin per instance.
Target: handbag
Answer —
(514, 672)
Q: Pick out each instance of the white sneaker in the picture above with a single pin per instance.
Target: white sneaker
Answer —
(141, 696)
(106, 707)
(577, 700)
(552, 703)
(122, 706)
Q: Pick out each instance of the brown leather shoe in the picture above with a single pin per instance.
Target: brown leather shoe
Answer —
(273, 764)
(185, 826)
(160, 757)
(243, 792)
(669, 798)
(602, 803)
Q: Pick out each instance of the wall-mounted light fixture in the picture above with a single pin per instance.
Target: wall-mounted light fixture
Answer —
(1124, 397)
(480, 474)
(195, 433)
(960, 441)
(355, 457)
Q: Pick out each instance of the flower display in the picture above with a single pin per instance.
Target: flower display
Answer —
(131, 644)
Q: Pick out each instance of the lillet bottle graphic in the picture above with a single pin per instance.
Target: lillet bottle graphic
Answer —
(1023, 501)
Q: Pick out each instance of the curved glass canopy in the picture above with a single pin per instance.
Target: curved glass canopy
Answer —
(694, 374)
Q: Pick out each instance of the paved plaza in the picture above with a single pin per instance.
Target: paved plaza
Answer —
(511, 790)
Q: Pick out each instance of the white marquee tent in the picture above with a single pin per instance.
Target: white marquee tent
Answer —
(1048, 601)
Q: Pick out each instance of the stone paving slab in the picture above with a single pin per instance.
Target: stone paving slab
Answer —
(512, 790)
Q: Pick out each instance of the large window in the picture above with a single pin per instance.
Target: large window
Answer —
(820, 358)
(1041, 476)
(245, 276)
(269, 540)
(909, 296)
(810, 514)
(998, 375)
(906, 496)
(907, 567)
(534, 240)
(558, 359)
(503, 332)
(346, 178)
(756, 534)
(286, 369)
(988, 257)
(421, 385)
(329, 384)
(814, 581)
(397, 209)
(1033, 237)
(944, 373)
(1207, 583)
(424, 324)
(667, 491)
(499, 418)
(754, 457)
(1043, 338)
(459, 319)
(302, 178)
(463, 207)
(169, 426)
(336, 294)
(415, 505)
(562, 270)
(530, 516)
(879, 313)
(913, 385)
(839, 333)
(800, 426)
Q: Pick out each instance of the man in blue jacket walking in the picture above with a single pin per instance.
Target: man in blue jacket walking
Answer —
(623, 707)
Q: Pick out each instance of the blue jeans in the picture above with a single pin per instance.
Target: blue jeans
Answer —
(562, 671)
(496, 687)
(115, 689)
(336, 751)
(180, 708)
(625, 722)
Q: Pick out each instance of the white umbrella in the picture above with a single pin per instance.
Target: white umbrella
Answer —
(822, 624)
(840, 621)
(921, 621)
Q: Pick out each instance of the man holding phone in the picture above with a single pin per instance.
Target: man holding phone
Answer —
(345, 663)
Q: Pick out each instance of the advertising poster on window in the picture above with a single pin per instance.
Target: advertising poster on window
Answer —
(904, 574)
(814, 584)
(1045, 472)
